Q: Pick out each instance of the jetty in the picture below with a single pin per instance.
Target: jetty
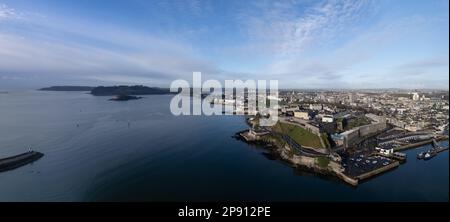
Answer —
(421, 143)
(16, 161)
(401, 157)
(432, 152)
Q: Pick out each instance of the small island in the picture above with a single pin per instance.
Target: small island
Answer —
(119, 93)
(128, 90)
(67, 88)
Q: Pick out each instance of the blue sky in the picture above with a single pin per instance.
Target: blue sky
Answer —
(303, 44)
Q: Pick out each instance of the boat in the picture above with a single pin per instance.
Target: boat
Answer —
(420, 155)
(429, 155)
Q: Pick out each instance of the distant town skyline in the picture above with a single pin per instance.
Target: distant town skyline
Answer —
(304, 44)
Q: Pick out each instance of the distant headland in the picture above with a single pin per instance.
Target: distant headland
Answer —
(67, 88)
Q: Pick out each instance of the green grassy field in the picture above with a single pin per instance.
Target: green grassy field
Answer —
(356, 122)
(323, 161)
(300, 135)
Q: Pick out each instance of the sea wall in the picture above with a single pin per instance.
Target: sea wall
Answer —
(383, 169)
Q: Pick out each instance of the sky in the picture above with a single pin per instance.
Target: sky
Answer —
(345, 44)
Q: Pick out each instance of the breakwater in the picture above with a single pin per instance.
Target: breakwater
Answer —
(16, 161)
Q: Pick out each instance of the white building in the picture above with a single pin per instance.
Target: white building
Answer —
(315, 106)
(385, 151)
(327, 119)
(273, 98)
(416, 96)
(301, 115)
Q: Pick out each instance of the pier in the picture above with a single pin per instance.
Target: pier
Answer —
(401, 157)
(421, 143)
(433, 152)
(14, 162)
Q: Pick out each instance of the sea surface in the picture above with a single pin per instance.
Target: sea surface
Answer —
(101, 150)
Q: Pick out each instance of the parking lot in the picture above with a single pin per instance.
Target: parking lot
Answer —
(358, 164)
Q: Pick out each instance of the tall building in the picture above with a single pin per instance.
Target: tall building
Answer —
(416, 96)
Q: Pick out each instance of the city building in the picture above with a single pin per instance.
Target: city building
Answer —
(302, 115)
(416, 96)
(386, 151)
(327, 119)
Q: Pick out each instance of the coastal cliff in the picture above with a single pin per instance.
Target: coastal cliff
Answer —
(323, 165)
(314, 164)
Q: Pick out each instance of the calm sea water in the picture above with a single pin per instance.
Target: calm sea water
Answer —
(100, 150)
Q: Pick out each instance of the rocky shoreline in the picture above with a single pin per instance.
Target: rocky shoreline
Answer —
(310, 164)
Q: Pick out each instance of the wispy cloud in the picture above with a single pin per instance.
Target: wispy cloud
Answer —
(95, 52)
(302, 43)
(424, 63)
(289, 27)
(301, 57)
(7, 13)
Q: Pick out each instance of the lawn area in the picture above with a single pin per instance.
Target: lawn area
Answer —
(300, 135)
(358, 121)
(323, 162)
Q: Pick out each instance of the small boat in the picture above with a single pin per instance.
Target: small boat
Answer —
(420, 155)
(429, 155)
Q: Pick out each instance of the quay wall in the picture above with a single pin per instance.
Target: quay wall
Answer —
(421, 143)
(377, 171)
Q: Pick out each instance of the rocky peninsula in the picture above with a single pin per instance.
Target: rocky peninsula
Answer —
(316, 160)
